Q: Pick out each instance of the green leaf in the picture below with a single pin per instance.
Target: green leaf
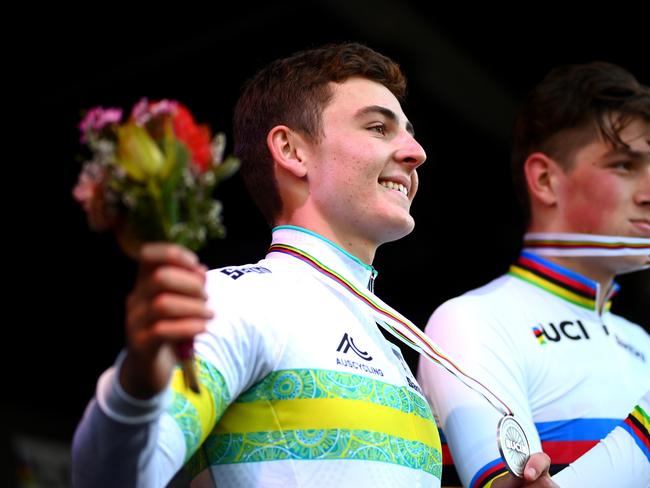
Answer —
(225, 170)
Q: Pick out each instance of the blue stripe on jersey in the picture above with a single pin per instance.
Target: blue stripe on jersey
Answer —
(576, 429)
(559, 269)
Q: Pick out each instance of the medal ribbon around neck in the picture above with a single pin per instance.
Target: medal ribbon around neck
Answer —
(392, 321)
(561, 244)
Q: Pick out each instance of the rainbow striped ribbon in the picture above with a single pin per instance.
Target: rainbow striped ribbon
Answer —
(393, 322)
(561, 244)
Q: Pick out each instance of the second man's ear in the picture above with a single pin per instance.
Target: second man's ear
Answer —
(541, 175)
(287, 149)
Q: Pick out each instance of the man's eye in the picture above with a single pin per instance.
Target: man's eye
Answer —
(622, 165)
(381, 129)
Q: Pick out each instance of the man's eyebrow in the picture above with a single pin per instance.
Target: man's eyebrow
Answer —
(626, 151)
(386, 112)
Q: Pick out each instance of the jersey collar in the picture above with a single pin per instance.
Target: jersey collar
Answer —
(327, 252)
(562, 282)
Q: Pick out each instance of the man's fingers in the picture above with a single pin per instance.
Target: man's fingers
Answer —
(177, 330)
(171, 306)
(538, 464)
(175, 280)
(535, 474)
(157, 253)
(147, 341)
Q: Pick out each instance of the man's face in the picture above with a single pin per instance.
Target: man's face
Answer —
(363, 170)
(607, 190)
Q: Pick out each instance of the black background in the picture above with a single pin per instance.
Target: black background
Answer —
(467, 71)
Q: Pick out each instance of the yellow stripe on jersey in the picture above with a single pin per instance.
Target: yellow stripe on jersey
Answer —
(326, 413)
(553, 288)
(195, 413)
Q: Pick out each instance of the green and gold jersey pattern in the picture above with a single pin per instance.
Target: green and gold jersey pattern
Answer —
(194, 413)
(311, 414)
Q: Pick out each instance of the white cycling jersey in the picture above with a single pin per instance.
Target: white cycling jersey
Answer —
(301, 389)
(621, 459)
(534, 337)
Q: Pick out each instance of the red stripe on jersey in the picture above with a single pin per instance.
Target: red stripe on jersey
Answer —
(565, 452)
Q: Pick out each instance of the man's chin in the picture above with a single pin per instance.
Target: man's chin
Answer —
(397, 229)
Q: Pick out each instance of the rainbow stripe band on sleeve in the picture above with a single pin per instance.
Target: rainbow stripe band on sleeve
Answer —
(490, 472)
(637, 424)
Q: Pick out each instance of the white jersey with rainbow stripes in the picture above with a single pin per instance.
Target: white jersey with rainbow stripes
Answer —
(535, 338)
(621, 459)
(302, 390)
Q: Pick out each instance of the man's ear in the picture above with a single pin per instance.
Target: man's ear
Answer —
(542, 174)
(287, 150)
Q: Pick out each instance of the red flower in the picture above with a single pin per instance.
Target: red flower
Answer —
(196, 137)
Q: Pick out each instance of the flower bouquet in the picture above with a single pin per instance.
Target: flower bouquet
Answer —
(151, 178)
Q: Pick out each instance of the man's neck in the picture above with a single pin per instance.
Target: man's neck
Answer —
(355, 245)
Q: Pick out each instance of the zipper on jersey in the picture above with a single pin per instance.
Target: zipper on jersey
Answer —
(371, 283)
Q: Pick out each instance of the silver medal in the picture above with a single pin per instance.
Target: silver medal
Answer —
(513, 445)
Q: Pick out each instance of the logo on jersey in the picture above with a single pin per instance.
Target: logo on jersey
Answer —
(629, 348)
(347, 346)
(239, 271)
(567, 329)
(347, 343)
(539, 333)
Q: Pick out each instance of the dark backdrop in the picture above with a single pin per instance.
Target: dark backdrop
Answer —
(467, 70)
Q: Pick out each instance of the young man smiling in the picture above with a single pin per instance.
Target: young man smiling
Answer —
(298, 386)
(541, 337)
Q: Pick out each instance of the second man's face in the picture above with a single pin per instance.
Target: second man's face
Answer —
(607, 189)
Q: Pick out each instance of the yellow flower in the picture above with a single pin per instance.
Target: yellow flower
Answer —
(138, 153)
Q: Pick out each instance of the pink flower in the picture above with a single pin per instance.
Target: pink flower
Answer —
(163, 107)
(89, 191)
(96, 119)
(144, 111)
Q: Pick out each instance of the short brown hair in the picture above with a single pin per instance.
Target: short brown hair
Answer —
(568, 109)
(294, 92)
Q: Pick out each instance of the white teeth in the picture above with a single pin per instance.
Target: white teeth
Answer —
(394, 186)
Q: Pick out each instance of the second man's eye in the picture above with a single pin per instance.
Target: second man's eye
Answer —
(380, 128)
(622, 165)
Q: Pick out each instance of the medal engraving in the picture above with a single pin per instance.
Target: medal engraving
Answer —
(513, 445)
